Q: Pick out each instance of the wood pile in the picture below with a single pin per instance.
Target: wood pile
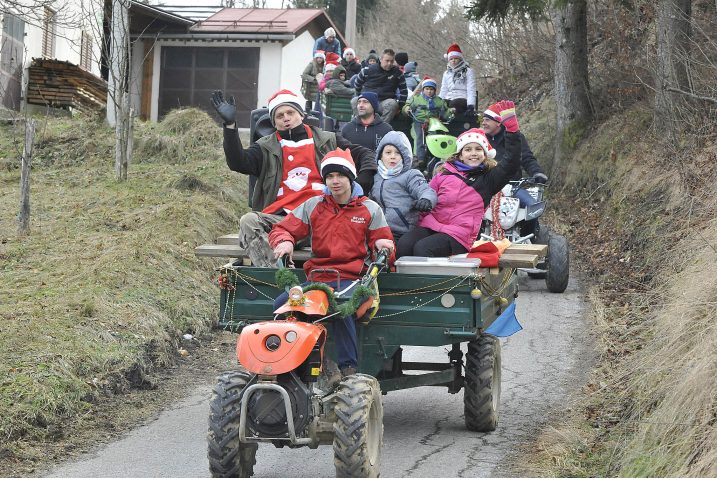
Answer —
(62, 84)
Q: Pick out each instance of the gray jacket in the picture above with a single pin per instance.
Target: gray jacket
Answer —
(397, 194)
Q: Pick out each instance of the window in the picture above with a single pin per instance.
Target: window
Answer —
(13, 37)
(189, 75)
(86, 52)
(48, 33)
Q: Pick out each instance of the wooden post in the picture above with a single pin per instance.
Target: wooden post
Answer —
(23, 219)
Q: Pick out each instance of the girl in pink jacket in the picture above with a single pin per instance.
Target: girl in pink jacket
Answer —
(465, 185)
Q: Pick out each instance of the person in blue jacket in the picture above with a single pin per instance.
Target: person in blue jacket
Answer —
(401, 191)
(328, 42)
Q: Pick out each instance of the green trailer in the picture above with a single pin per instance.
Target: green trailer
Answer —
(428, 302)
(415, 310)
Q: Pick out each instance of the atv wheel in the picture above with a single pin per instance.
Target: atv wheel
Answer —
(558, 262)
(481, 396)
(228, 458)
(358, 430)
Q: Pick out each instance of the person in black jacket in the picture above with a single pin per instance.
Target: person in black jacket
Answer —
(366, 128)
(384, 79)
(495, 132)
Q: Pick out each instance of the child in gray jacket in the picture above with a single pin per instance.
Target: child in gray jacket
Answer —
(402, 192)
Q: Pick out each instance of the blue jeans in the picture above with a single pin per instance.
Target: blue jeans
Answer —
(530, 227)
(342, 330)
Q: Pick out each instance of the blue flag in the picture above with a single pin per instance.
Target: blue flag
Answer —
(506, 324)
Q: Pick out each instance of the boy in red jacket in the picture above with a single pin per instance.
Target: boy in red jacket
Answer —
(344, 230)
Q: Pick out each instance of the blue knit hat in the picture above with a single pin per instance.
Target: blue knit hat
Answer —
(372, 98)
(430, 82)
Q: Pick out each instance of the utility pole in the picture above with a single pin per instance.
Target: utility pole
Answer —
(351, 23)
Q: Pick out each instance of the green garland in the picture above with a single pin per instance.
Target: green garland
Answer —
(285, 279)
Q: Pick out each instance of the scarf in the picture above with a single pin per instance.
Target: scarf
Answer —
(386, 173)
(429, 100)
(463, 167)
(459, 71)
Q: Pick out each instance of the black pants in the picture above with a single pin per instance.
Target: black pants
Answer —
(460, 104)
(424, 242)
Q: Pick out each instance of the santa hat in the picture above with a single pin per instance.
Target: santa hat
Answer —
(348, 50)
(428, 81)
(329, 32)
(454, 51)
(338, 161)
(493, 112)
(320, 54)
(475, 135)
(329, 67)
(285, 97)
(332, 57)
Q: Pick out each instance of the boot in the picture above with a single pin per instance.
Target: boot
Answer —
(260, 253)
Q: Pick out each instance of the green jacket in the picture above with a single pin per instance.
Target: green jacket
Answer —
(418, 104)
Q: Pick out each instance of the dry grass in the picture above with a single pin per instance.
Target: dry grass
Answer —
(106, 281)
(650, 407)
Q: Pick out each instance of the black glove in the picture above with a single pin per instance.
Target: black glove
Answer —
(470, 110)
(227, 109)
(423, 205)
(540, 178)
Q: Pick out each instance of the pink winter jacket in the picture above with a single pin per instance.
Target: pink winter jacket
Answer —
(462, 202)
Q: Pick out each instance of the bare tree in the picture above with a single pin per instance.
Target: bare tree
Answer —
(673, 40)
(118, 87)
(23, 218)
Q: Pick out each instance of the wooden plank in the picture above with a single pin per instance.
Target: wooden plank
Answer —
(232, 239)
(517, 260)
(229, 250)
(537, 249)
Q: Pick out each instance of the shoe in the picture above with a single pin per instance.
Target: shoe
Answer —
(346, 371)
(260, 253)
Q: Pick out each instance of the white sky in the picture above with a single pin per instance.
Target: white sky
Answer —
(212, 3)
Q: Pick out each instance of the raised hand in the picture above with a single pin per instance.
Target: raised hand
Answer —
(507, 112)
(227, 110)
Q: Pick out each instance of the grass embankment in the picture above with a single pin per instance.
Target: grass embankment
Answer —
(106, 282)
(641, 217)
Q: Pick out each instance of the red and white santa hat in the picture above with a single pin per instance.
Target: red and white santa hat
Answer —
(320, 54)
(454, 51)
(349, 50)
(475, 135)
(493, 112)
(332, 57)
(285, 97)
(338, 161)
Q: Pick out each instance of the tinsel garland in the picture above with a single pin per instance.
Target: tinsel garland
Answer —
(285, 279)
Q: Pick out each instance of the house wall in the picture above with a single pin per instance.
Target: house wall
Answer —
(295, 56)
(268, 82)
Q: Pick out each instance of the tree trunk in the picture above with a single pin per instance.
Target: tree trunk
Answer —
(673, 36)
(118, 87)
(23, 219)
(572, 87)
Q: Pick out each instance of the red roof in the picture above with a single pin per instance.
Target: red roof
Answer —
(261, 20)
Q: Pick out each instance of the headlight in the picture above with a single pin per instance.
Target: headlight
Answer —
(272, 343)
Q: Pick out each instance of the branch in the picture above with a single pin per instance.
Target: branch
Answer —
(692, 95)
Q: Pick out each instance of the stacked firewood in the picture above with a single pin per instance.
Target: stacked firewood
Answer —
(62, 84)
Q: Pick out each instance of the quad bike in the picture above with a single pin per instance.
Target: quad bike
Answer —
(277, 396)
(512, 220)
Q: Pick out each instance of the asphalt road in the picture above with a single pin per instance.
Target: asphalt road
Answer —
(424, 437)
